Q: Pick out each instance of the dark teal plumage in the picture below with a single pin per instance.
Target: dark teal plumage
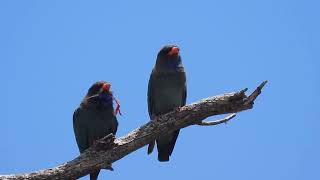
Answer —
(94, 119)
(166, 91)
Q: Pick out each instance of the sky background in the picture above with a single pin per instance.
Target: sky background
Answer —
(51, 52)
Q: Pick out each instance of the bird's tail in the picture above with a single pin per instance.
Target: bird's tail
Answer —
(150, 147)
(163, 156)
(173, 141)
(94, 175)
(166, 145)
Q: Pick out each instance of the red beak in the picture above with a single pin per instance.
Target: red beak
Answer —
(174, 51)
(106, 87)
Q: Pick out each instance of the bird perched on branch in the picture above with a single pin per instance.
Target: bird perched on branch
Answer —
(95, 118)
(166, 91)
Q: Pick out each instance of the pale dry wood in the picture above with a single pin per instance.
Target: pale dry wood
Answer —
(216, 122)
(109, 149)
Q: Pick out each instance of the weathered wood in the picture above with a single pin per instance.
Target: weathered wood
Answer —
(109, 149)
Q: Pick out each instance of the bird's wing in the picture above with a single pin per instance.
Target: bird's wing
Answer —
(184, 96)
(150, 96)
(80, 130)
(150, 107)
(183, 102)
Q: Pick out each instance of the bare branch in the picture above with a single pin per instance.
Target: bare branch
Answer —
(216, 122)
(109, 149)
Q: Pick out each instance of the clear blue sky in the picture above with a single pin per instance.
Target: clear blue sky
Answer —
(52, 51)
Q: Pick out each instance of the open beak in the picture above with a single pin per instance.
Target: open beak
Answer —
(106, 87)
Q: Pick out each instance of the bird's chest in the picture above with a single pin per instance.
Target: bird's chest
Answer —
(168, 93)
(102, 116)
(101, 121)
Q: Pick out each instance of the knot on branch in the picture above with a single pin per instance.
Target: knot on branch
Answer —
(238, 96)
(104, 143)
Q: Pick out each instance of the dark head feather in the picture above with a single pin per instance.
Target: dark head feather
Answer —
(96, 97)
(168, 61)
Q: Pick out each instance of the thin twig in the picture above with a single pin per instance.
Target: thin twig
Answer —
(215, 122)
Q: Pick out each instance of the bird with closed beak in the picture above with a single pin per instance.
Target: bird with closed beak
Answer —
(166, 92)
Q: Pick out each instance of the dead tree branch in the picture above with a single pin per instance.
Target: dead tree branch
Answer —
(109, 149)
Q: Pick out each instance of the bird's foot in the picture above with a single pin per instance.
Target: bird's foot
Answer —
(176, 109)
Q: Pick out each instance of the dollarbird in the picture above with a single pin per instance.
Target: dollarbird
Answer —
(166, 92)
(95, 118)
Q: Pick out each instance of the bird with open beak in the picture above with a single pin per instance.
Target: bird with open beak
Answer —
(95, 118)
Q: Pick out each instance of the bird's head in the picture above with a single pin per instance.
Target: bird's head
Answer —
(99, 94)
(169, 58)
(100, 87)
